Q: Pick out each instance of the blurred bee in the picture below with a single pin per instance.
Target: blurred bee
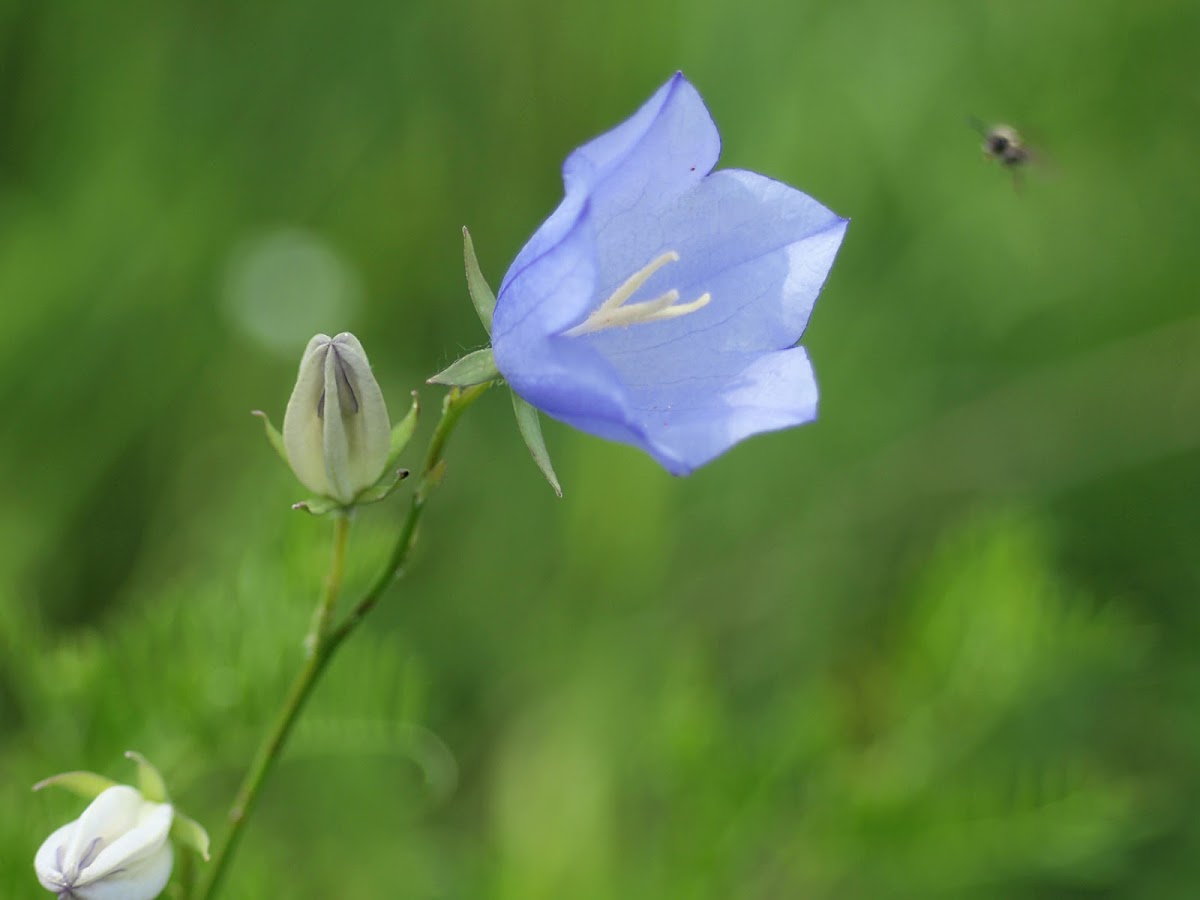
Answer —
(1003, 144)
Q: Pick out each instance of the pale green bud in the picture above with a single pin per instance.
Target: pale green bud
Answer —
(336, 433)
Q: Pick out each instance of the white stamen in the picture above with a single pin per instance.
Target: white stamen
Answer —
(617, 312)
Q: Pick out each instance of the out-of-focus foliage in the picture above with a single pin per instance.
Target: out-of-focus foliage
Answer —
(942, 643)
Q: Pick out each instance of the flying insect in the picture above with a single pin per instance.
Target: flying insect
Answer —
(1004, 144)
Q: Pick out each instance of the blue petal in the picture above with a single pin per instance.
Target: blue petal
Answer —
(563, 377)
(641, 167)
(760, 248)
(664, 148)
(558, 375)
(687, 423)
(682, 424)
(672, 131)
(554, 288)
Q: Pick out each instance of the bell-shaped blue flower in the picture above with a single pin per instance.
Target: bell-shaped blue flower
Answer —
(661, 303)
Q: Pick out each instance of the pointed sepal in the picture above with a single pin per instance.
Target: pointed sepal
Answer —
(402, 433)
(383, 489)
(150, 781)
(474, 368)
(187, 832)
(481, 294)
(274, 438)
(531, 430)
(87, 785)
(319, 506)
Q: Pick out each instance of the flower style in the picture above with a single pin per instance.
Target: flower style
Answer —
(336, 434)
(117, 850)
(661, 303)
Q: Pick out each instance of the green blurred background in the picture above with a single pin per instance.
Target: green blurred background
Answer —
(942, 643)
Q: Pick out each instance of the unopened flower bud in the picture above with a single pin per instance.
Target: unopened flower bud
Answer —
(336, 432)
(117, 848)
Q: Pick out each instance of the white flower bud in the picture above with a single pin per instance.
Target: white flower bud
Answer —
(117, 850)
(336, 432)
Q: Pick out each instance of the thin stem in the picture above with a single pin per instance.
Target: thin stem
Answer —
(315, 659)
(456, 403)
(322, 641)
(333, 584)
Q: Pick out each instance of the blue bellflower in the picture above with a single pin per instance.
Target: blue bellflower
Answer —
(661, 303)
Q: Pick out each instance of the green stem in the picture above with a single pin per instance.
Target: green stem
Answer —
(322, 642)
(316, 657)
(456, 403)
(333, 584)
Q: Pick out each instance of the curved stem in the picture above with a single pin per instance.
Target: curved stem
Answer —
(322, 642)
(456, 403)
(316, 657)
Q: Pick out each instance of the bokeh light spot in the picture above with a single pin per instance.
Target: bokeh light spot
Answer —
(286, 285)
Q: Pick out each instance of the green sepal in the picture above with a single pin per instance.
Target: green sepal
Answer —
(319, 506)
(531, 431)
(150, 782)
(481, 294)
(273, 436)
(382, 488)
(474, 368)
(402, 433)
(87, 785)
(187, 832)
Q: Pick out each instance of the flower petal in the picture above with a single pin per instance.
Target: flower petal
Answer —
(357, 433)
(670, 143)
(759, 248)
(301, 425)
(573, 384)
(563, 377)
(142, 879)
(48, 860)
(142, 843)
(664, 149)
(544, 299)
(107, 817)
(688, 423)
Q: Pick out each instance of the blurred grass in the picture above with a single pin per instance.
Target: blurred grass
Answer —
(939, 644)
